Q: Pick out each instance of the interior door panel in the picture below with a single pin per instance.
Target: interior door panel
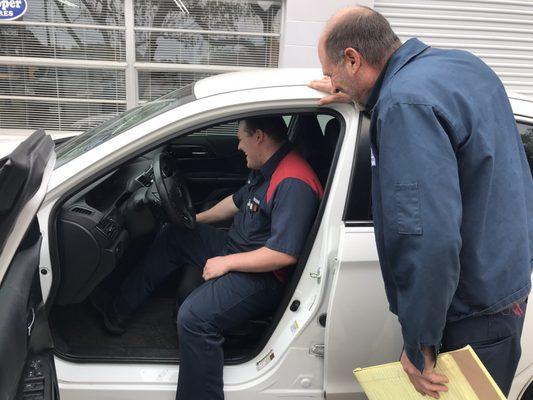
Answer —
(27, 370)
(212, 165)
(25, 340)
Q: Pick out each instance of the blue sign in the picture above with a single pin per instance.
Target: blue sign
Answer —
(12, 9)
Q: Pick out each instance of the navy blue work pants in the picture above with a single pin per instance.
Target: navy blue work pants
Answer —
(215, 306)
(495, 338)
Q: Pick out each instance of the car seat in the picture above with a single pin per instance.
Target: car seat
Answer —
(308, 140)
(190, 279)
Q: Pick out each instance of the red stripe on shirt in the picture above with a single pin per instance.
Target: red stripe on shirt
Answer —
(293, 165)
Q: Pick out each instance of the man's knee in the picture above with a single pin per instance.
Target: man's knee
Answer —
(168, 232)
(191, 321)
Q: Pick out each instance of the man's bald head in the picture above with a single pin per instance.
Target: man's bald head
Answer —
(363, 29)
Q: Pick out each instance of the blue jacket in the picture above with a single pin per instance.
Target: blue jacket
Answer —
(452, 192)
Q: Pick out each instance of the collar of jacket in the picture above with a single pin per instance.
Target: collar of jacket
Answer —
(401, 57)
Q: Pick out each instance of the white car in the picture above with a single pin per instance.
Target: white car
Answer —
(73, 220)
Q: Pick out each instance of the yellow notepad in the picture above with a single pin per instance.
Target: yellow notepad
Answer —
(469, 379)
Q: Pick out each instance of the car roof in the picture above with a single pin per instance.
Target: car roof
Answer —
(255, 79)
(272, 77)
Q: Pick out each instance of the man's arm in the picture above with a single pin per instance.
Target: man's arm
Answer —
(293, 212)
(422, 213)
(223, 210)
(260, 260)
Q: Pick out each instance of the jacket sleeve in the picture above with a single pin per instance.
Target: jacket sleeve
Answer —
(422, 212)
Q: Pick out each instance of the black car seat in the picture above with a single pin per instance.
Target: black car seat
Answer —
(190, 279)
(309, 141)
(331, 134)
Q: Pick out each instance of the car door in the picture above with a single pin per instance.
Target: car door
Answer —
(27, 370)
(360, 331)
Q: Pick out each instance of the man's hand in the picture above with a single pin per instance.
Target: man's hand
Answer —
(324, 85)
(215, 267)
(429, 382)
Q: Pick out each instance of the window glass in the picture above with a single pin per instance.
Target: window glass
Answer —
(526, 133)
(323, 121)
(90, 12)
(85, 41)
(210, 32)
(358, 205)
(59, 99)
(226, 129)
(105, 41)
(121, 123)
(229, 128)
(154, 84)
(63, 94)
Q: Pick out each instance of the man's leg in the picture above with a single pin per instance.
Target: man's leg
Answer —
(170, 249)
(217, 305)
(495, 338)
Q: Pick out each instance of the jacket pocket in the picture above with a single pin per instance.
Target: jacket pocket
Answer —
(408, 215)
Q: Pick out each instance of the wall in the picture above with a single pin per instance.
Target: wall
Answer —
(304, 20)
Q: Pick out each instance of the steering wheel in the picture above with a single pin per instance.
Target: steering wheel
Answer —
(173, 192)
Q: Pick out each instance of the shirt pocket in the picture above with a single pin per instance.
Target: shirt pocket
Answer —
(255, 212)
(408, 216)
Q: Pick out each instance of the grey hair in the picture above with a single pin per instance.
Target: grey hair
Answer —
(367, 32)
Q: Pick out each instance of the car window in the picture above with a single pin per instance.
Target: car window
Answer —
(226, 129)
(526, 133)
(287, 119)
(323, 120)
(229, 128)
(121, 123)
(358, 206)
(358, 210)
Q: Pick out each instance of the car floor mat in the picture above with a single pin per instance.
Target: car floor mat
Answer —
(79, 333)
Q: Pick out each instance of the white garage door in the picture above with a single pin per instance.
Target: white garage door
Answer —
(500, 32)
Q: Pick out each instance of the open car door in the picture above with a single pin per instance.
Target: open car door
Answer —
(26, 366)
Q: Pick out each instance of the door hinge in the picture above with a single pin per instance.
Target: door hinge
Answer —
(317, 350)
(316, 275)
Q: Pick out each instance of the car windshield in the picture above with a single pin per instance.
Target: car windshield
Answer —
(121, 123)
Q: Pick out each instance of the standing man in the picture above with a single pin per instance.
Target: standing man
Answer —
(452, 192)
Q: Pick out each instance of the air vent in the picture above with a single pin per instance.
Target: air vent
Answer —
(144, 180)
(109, 228)
(80, 210)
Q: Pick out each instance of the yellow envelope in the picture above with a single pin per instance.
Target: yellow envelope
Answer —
(469, 379)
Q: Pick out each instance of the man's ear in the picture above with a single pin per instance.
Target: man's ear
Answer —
(352, 59)
(259, 136)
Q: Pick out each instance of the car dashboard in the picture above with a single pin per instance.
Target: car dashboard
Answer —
(96, 225)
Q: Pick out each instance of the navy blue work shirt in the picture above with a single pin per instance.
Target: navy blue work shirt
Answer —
(452, 192)
(277, 206)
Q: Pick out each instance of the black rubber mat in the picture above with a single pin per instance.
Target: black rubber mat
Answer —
(79, 333)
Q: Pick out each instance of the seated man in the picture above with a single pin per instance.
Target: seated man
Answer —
(244, 269)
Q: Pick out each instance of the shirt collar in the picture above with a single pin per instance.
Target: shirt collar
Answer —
(268, 168)
(405, 53)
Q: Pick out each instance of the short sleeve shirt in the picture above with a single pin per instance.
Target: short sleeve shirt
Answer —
(277, 206)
